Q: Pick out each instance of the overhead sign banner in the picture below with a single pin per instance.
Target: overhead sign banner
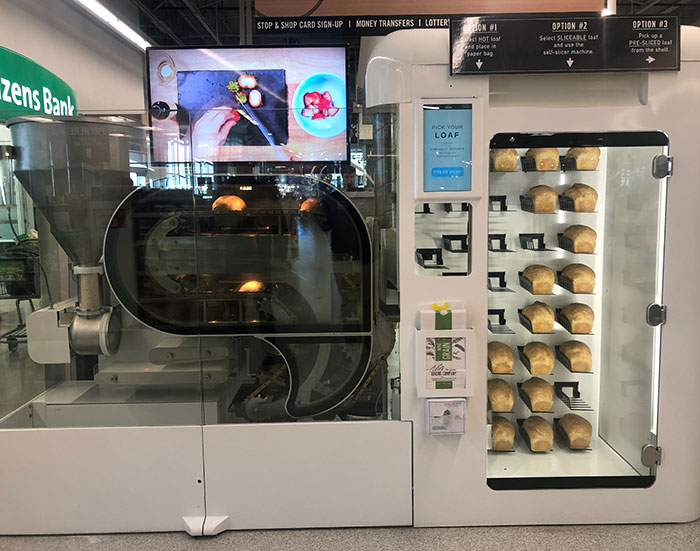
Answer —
(26, 88)
(561, 44)
(326, 8)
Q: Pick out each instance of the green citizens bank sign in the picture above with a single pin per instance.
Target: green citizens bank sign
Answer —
(28, 89)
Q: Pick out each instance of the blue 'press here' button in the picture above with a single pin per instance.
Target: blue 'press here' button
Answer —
(447, 172)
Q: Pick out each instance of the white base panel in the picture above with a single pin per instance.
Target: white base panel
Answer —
(303, 475)
(78, 481)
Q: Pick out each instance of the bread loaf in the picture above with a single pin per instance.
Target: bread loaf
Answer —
(502, 434)
(577, 430)
(500, 357)
(541, 317)
(580, 317)
(578, 354)
(546, 158)
(581, 276)
(539, 433)
(586, 157)
(583, 196)
(540, 393)
(541, 278)
(583, 238)
(540, 357)
(504, 160)
(500, 395)
(544, 199)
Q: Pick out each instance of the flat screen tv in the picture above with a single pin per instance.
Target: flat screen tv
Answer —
(248, 104)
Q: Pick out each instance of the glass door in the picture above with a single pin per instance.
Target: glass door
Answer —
(576, 227)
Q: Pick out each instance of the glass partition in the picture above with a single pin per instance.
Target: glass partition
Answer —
(576, 227)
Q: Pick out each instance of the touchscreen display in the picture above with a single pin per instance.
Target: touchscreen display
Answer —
(447, 147)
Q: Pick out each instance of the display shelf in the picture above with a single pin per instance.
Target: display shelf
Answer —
(563, 440)
(563, 360)
(573, 402)
(526, 362)
(567, 204)
(529, 164)
(566, 324)
(566, 164)
(526, 284)
(461, 240)
(533, 242)
(527, 324)
(567, 244)
(528, 205)
(567, 284)
(499, 328)
(526, 400)
(526, 438)
(500, 280)
(430, 258)
(500, 241)
(499, 203)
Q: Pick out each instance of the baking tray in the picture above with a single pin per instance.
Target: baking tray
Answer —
(528, 324)
(567, 244)
(526, 284)
(528, 205)
(528, 164)
(563, 440)
(565, 323)
(568, 284)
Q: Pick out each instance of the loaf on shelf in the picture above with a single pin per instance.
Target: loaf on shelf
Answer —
(504, 160)
(546, 158)
(538, 434)
(584, 197)
(579, 317)
(502, 434)
(581, 278)
(577, 431)
(583, 238)
(586, 157)
(500, 357)
(541, 279)
(541, 317)
(500, 395)
(539, 393)
(540, 358)
(544, 199)
(578, 355)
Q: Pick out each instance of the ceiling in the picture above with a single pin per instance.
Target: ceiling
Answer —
(207, 22)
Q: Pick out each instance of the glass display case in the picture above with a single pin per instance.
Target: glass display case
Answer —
(576, 225)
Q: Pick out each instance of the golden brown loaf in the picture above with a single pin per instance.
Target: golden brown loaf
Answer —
(583, 238)
(500, 357)
(577, 430)
(578, 354)
(581, 276)
(580, 317)
(544, 199)
(540, 356)
(540, 394)
(541, 277)
(583, 196)
(502, 433)
(504, 160)
(541, 317)
(539, 433)
(500, 395)
(586, 157)
(546, 158)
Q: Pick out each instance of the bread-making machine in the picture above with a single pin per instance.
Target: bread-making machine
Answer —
(272, 272)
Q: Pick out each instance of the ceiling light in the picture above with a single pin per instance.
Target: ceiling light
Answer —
(106, 16)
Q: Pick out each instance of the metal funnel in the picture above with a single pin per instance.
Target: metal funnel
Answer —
(76, 170)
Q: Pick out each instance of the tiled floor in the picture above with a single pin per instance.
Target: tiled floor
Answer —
(656, 537)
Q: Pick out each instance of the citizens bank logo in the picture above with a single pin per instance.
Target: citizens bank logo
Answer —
(42, 101)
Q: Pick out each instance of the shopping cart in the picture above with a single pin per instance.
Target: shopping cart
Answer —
(19, 280)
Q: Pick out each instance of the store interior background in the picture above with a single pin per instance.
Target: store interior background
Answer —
(107, 74)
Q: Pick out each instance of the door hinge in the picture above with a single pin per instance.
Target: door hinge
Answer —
(662, 167)
(651, 455)
(656, 314)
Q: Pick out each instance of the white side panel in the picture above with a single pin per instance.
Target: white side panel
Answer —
(73, 481)
(302, 475)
